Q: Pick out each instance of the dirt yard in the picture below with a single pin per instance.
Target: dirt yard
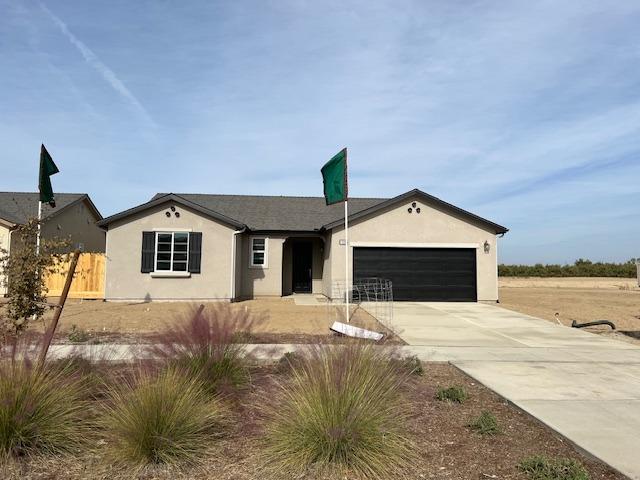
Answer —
(283, 320)
(580, 299)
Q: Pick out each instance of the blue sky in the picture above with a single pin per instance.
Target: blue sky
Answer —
(527, 113)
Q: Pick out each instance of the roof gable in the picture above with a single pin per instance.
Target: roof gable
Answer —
(171, 197)
(19, 207)
(435, 201)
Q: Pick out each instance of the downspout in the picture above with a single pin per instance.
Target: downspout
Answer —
(232, 288)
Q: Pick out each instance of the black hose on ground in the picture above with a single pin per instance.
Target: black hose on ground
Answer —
(575, 324)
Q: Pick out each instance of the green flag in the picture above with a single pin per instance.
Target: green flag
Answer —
(47, 168)
(334, 176)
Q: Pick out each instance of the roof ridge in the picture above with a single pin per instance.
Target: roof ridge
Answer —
(36, 193)
(264, 196)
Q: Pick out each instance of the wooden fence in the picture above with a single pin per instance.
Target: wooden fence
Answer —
(88, 281)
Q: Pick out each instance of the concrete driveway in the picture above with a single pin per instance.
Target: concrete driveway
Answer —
(584, 386)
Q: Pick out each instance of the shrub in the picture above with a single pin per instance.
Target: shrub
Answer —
(77, 335)
(40, 412)
(25, 271)
(288, 361)
(485, 424)
(580, 268)
(163, 419)
(452, 394)
(204, 345)
(543, 468)
(342, 408)
(412, 365)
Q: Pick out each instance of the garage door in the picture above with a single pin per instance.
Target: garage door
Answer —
(421, 274)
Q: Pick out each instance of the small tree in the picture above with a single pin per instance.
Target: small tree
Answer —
(25, 270)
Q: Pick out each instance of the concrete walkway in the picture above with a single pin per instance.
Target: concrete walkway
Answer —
(584, 386)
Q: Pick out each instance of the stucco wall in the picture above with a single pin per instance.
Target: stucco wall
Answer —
(124, 280)
(262, 281)
(77, 223)
(4, 246)
(431, 226)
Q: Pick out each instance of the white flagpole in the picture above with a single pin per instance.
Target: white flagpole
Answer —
(346, 257)
(346, 235)
(39, 227)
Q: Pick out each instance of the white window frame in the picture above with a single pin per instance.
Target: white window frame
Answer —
(155, 257)
(265, 264)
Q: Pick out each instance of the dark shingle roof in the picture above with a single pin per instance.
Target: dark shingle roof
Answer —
(18, 207)
(260, 212)
(296, 214)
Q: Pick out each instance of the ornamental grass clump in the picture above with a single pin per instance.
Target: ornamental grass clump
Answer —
(341, 409)
(40, 411)
(166, 418)
(543, 468)
(205, 345)
(485, 424)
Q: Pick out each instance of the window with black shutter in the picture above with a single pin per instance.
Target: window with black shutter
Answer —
(168, 252)
(195, 251)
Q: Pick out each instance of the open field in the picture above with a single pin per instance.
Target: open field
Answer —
(447, 447)
(580, 299)
(281, 319)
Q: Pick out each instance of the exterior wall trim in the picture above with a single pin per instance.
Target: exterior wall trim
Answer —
(169, 230)
(414, 245)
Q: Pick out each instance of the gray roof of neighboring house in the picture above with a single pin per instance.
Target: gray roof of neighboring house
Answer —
(302, 214)
(18, 207)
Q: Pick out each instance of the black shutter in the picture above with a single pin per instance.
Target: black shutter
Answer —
(195, 251)
(148, 251)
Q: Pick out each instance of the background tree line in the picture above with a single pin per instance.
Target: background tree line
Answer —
(580, 268)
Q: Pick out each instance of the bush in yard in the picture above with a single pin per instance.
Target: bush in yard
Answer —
(287, 362)
(25, 272)
(411, 364)
(342, 408)
(77, 335)
(40, 411)
(543, 468)
(452, 394)
(166, 418)
(485, 424)
(205, 345)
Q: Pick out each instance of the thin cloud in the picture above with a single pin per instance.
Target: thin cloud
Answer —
(108, 74)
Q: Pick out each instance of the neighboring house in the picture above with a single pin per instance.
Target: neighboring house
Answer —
(205, 247)
(73, 218)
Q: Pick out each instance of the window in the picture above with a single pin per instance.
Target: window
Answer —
(172, 251)
(258, 252)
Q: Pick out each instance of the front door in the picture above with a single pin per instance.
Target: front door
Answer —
(302, 257)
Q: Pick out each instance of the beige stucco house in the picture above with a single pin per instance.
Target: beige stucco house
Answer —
(230, 247)
(74, 218)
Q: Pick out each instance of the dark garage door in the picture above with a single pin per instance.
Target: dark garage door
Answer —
(421, 274)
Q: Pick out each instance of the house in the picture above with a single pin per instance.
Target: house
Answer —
(74, 217)
(206, 247)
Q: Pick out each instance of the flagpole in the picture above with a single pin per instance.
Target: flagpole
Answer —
(346, 234)
(346, 256)
(39, 227)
